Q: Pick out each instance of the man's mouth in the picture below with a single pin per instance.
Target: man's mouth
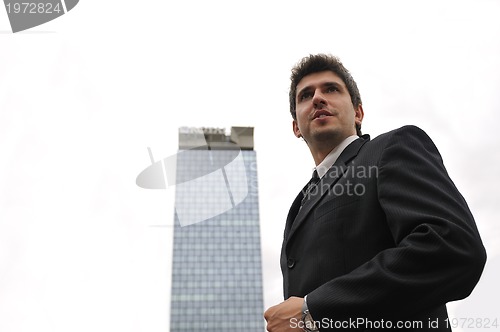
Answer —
(321, 114)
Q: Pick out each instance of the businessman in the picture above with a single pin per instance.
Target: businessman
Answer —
(380, 238)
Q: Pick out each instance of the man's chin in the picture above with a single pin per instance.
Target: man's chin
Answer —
(326, 135)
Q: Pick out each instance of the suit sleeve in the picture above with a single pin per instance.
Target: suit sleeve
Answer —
(438, 255)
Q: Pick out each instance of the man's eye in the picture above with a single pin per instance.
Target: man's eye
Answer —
(305, 95)
(332, 89)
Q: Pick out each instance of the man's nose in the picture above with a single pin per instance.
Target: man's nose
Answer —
(318, 99)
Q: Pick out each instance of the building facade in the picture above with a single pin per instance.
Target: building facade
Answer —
(217, 268)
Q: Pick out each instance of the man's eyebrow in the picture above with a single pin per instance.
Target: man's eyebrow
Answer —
(325, 84)
(334, 84)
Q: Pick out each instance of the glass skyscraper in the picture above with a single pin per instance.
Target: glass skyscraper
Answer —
(217, 269)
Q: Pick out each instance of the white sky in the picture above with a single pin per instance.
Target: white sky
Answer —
(82, 97)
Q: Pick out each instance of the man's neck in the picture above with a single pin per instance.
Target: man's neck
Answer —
(320, 155)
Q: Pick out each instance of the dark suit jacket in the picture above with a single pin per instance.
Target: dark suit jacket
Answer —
(384, 235)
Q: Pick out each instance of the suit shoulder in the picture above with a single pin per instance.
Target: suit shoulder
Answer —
(405, 131)
(406, 137)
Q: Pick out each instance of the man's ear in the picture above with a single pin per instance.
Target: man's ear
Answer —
(358, 114)
(296, 130)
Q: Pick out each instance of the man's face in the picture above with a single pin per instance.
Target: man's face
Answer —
(324, 110)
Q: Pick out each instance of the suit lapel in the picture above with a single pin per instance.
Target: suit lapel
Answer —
(298, 215)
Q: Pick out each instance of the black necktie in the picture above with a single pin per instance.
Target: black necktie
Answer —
(309, 188)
